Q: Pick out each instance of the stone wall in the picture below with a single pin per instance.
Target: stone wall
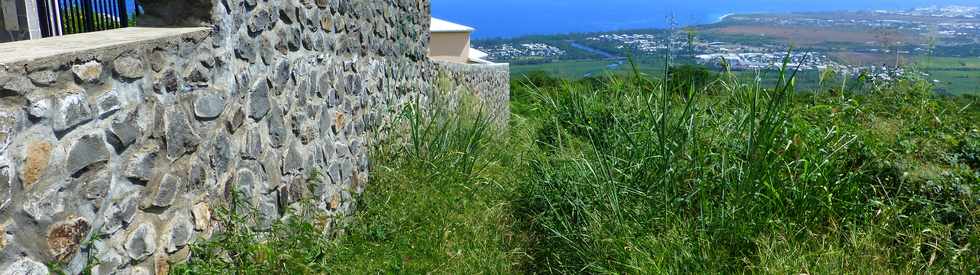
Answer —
(118, 155)
(490, 83)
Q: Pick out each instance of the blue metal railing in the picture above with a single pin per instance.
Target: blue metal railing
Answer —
(61, 17)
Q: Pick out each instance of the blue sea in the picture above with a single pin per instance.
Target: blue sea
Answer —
(509, 18)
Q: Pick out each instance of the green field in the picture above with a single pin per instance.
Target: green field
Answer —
(570, 68)
(947, 63)
(957, 82)
(576, 69)
(952, 75)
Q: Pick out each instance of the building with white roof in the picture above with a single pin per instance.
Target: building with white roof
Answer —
(451, 42)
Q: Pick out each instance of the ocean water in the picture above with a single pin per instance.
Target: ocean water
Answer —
(509, 18)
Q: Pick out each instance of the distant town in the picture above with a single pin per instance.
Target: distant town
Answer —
(513, 51)
(948, 11)
(869, 42)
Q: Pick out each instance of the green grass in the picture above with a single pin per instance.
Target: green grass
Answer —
(627, 174)
(637, 179)
(437, 202)
(565, 68)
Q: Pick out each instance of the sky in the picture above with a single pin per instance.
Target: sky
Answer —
(508, 18)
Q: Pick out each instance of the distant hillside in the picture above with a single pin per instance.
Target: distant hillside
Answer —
(853, 43)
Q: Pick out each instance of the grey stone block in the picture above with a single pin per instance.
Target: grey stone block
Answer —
(72, 109)
(278, 133)
(140, 164)
(266, 50)
(124, 131)
(41, 207)
(15, 85)
(282, 74)
(270, 170)
(108, 103)
(245, 49)
(253, 145)
(197, 75)
(141, 242)
(166, 82)
(108, 259)
(258, 100)
(261, 20)
(43, 78)
(244, 187)
(293, 164)
(128, 67)
(208, 106)
(221, 154)
(40, 104)
(158, 61)
(268, 211)
(236, 120)
(26, 266)
(198, 175)
(333, 171)
(87, 151)
(120, 213)
(94, 186)
(162, 193)
(179, 232)
(180, 136)
(6, 187)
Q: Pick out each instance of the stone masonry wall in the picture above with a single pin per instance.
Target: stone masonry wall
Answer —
(489, 83)
(118, 156)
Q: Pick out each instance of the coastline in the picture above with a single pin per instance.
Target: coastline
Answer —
(722, 18)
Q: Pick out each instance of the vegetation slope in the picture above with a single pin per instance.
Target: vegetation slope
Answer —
(686, 172)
